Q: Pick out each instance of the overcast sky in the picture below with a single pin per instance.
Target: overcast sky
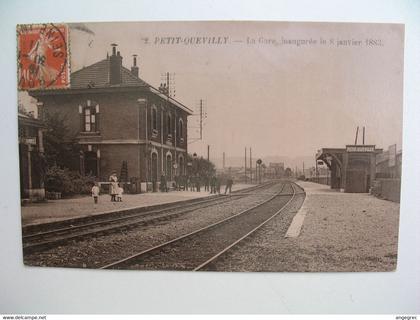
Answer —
(284, 100)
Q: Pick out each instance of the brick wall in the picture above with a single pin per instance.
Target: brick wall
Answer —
(112, 157)
(121, 117)
(118, 113)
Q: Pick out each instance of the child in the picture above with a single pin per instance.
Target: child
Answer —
(95, 192)
(119, 194)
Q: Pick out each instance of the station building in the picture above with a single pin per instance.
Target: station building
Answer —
(353, 168)
(115, 117)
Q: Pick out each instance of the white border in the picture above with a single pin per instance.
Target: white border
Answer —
(49, 290)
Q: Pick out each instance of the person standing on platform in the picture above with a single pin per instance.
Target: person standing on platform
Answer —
(197, 183)
(213, 184)
(177, 183)
(113, 187)
(163, 185)
(95, 192)
(218, 184)
(229, 184)
(120, 193)
(206, 183)
(191, 182)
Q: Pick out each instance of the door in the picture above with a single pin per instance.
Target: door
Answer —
(356, 181)
(154, 171)
(168, 168)
(91, 164)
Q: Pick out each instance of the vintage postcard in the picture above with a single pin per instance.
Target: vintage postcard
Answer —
(210, 146)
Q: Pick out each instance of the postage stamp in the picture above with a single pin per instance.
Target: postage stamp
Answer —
(43, 56)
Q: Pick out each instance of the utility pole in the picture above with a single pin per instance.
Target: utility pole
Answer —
(250, 164)
(303, 166)
(224, 161)
(363, 135)
(256, 171)
(245, 166)
(357, 133)
(201, 119)
(208, 153)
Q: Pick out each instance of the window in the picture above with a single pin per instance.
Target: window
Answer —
(181, 129)
(168, 124)
(154, 119)
(89, 119)
(22, 133)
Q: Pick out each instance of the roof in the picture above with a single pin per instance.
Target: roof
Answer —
(25, 119)
(97, 76)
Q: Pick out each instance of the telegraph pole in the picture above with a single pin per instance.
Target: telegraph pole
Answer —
(245, 166)
(250, 164)
(363, 135)
(201, 119)
(357, 133)
(224, 163)
(208, 153)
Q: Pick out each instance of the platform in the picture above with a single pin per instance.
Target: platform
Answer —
(82, 206)
(343, 232)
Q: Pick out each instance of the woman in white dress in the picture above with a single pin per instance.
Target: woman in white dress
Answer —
(113, 188)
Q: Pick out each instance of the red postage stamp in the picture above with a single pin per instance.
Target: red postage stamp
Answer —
(43, 59)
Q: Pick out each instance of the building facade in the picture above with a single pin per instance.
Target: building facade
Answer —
(31, 158)
(115, 117)
(275, 170)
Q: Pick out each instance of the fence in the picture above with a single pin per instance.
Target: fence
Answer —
(388, 189)
(320, 180)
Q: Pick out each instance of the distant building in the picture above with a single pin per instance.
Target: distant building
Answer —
(115, 117)
(275, 170)
(31, 158)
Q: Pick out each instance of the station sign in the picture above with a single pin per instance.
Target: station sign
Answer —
(28, 141)
(360, 148)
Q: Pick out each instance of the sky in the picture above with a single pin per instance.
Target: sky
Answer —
(280, 98)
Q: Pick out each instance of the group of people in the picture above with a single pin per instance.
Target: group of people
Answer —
(115, 190)
(211, 184)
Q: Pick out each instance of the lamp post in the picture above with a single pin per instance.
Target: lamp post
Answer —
(259, 162)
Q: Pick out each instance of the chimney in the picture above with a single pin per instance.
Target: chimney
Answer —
(134, 68)
(115, 64)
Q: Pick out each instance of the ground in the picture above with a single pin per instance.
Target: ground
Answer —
(337, 232)
(55, 210)
(340, 232)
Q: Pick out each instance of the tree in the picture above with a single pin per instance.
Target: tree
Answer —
(60, 151)
(288, 173)
(201, 167)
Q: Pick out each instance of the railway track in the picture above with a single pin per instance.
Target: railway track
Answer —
(85, 228)
(196, 250)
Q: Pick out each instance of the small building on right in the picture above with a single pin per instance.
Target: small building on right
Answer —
(353, 168)
(363, 168)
